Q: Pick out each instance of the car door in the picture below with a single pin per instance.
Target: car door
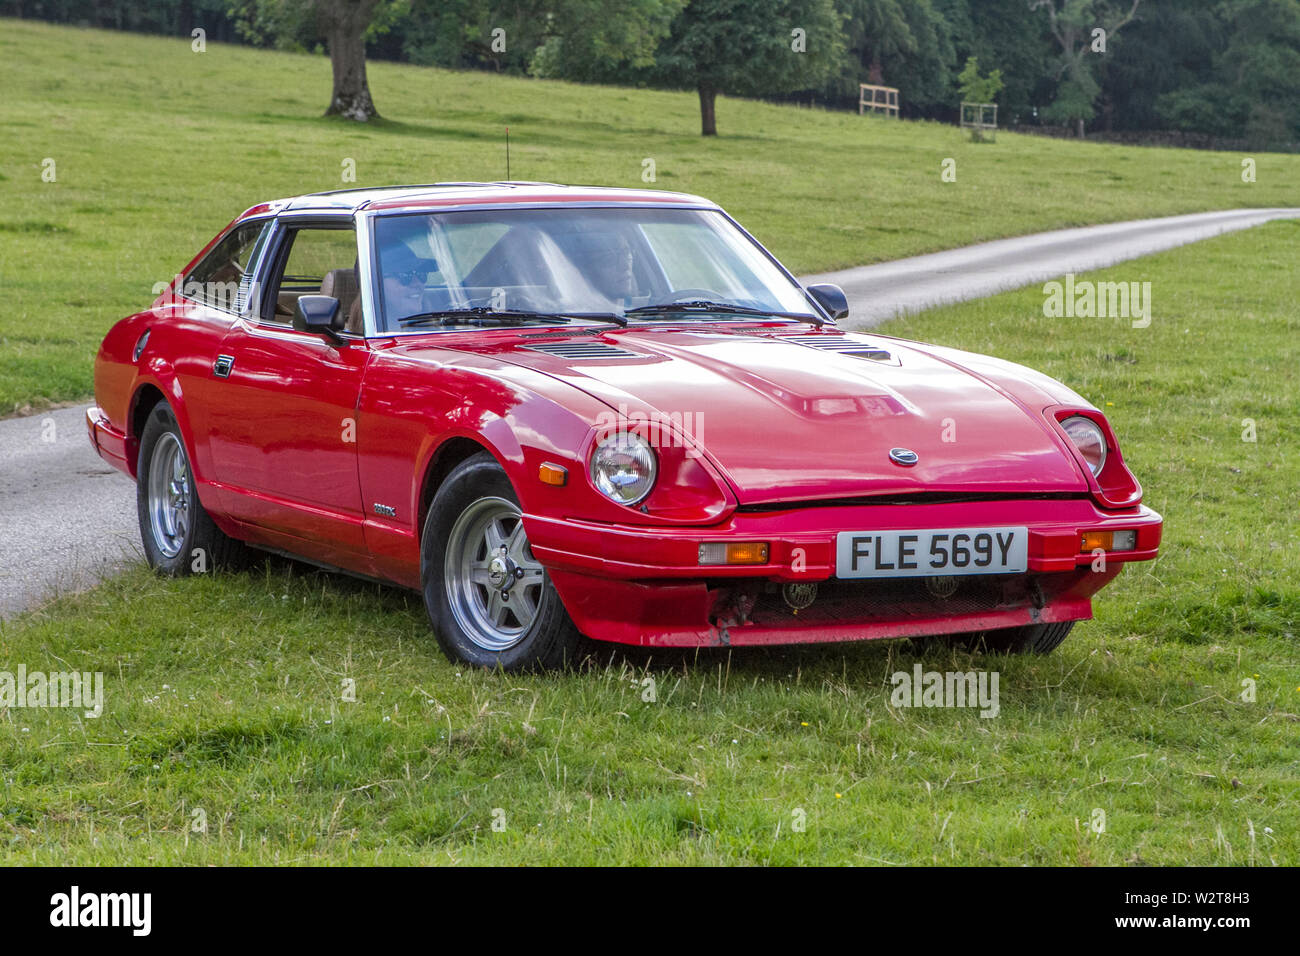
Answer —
(283, 433)
(201, 308)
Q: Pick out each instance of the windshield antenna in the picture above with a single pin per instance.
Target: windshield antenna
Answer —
(507, 154)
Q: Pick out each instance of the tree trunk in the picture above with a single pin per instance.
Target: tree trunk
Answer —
(1080, 126)
(708, 117)
(876, 72)
(345, 27)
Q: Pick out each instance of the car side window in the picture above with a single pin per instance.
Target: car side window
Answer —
(317, 260)
(223, 278)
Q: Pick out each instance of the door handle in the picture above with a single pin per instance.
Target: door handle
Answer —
(224, 363)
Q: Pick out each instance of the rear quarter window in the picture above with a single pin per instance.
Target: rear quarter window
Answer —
(223, 278)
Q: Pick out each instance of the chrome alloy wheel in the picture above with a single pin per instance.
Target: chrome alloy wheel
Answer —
(169, 495)
(494, 584)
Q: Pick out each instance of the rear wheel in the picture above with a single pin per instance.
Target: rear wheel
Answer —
(178, 535)
(1029, 639)
(489, 599)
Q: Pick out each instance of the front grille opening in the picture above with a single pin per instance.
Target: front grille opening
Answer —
(838, 601)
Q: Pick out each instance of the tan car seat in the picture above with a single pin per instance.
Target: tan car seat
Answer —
(342, 285)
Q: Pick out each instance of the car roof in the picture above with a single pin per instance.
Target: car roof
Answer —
(441, 195)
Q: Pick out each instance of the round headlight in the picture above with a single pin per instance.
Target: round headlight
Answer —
(623, 467)
(1089, 439)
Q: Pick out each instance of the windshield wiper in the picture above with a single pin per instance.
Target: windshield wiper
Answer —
(704, 306)
(483, 315)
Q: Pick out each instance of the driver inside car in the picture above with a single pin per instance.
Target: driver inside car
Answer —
(405, 276)
(611, 268)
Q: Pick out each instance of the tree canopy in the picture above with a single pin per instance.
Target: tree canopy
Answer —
(1224, 68)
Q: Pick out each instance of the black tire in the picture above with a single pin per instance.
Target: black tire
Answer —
(201, 546)
(478, 490)
(1029, 639)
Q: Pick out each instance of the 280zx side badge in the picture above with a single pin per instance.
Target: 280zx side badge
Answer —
(387, 511)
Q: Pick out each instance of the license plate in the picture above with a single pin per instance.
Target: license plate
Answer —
(916, 554)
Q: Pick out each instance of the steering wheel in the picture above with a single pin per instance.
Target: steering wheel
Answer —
(525, 302)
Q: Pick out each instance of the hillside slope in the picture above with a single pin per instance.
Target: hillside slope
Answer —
(155, 147)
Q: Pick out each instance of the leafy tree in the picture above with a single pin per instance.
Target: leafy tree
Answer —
(1228, 68)
(1172, 47)
(177, 17)
(878, 29)
(582, 40)
(1262, 66)
(344, 26)
(1004, 33)
(748, 48)
(1072, 23)
(901, 43)
(594, 40)
(975, 88)
(1239, 72)
(476, 34)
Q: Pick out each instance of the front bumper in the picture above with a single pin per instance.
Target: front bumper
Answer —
(640, 585)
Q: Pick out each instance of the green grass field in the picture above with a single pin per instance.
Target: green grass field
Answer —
(156, 147)
(223, 694)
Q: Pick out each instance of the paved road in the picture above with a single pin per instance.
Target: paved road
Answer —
(66, 518)
(883, 291)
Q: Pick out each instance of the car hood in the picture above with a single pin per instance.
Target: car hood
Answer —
(798, 414)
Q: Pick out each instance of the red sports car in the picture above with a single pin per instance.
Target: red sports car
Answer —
(561, 411)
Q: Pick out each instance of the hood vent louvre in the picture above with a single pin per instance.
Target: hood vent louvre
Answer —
(579, 351)
(839, 343)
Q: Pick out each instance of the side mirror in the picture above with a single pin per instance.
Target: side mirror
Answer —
(319, 314)
(831, 298)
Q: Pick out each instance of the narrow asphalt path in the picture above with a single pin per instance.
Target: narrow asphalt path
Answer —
(889, 289)
(67, 518)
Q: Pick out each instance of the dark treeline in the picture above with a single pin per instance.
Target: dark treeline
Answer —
(1218, 68)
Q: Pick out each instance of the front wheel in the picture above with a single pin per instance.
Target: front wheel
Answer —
(178, 535)
(490, 601)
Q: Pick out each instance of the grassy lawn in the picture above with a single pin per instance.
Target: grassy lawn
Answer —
(223, 694)
(156, 147)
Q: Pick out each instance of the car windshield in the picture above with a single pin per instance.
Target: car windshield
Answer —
(492, 266)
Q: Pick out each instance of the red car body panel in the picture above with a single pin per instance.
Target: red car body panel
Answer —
(788, 447)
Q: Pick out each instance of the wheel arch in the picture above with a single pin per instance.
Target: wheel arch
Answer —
(143, 401)
(440, 465)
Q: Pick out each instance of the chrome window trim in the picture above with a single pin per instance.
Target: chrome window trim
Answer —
(366, 273)
(298, 219)
(432, 208)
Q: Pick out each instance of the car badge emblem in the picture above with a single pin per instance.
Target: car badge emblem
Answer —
(903, 456)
